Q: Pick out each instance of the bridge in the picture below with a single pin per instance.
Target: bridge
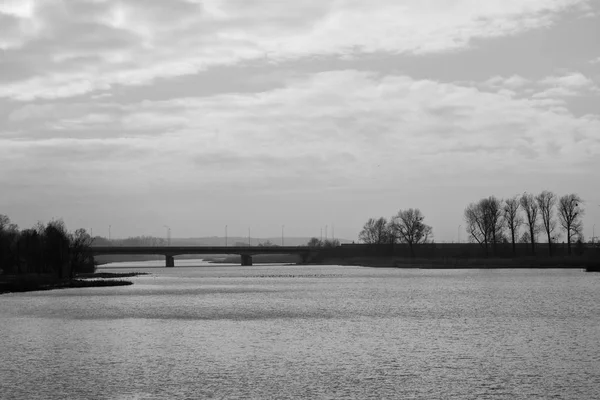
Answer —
(170, 252)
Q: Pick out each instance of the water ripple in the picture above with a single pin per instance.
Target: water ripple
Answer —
(339, 332)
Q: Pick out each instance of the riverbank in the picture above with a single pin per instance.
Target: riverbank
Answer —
(37, 282)
(256, 259)
(105, 275)
(465, 263)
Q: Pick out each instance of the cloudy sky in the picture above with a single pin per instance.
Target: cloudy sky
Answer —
(261, 113)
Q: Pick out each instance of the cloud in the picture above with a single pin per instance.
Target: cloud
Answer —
(552, 89)
(368, 135)
(512, 82)
(86, 46)
(572, 84)
(16, 25)
(574, 80)
(340, 128)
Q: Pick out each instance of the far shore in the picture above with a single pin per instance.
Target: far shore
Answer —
(575, 262)
(469, 263)
(39, 282)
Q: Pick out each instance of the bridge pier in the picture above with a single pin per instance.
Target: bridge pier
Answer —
(246, 259)
(170, 261)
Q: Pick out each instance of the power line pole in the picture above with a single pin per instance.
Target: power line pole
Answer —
(168, 235)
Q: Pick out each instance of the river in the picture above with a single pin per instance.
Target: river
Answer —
(292, 332)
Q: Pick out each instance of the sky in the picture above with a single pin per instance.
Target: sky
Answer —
(263, 114)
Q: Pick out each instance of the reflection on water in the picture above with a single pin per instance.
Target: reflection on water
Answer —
(318, 332)
(179, 262)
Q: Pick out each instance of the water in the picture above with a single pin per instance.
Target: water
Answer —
(308, 332)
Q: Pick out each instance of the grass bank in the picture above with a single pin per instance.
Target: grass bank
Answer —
(36, 282)
(465, 263)
(105, 275)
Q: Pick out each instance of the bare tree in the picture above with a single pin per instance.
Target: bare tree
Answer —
(546, 202)
(82, 260)
(329, 243)
(476, 225)
(315, 242)
(375, 231)
(525, 238)
(531, 209)
(408, 227)
(4, 222)
(512, 219)
(493, 213)
(570, 210)
(484, 223)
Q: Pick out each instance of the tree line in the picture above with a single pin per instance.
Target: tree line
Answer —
(130, 241)
(407, 226)
(45, 248)
(326, 244)
(490, 220)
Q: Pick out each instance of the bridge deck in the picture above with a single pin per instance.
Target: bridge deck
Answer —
(246, 252)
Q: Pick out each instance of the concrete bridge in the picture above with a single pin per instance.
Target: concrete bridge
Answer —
(170, 252)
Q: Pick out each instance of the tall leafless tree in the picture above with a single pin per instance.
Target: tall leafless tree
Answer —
(530, 206)
(408, 227)
(546, 202)
(375, 231)
(493, 213)
(484, 222)
(476, 225)
(82, 260)
(570, 211)
(512, 219)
